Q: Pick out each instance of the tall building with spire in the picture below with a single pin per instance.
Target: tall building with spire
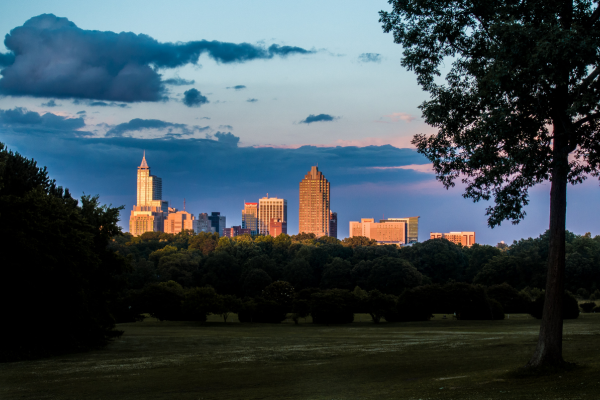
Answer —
(314, 215)
(150, 212)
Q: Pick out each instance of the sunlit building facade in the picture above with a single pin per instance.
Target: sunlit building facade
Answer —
(179, 221)
(466, 239)
(250, 217)
(384, 233)
(270, 208)
(277, 227)
(150, 212)
(412, 227)
(314, 213)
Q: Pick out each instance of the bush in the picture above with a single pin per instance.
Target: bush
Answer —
(273, 304)
(570, 306)
(497, 309)
(199, 302)
(469, 302)
(163, 300)
(512, 301)
(587, 307)
(583, 294)
(246, 310)
(334, 306)
(379, 304)
(595, 295)
(268, 311)
(415, 304)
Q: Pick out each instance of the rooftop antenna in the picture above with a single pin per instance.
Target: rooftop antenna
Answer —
(184, 204)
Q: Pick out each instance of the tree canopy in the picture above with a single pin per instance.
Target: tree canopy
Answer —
(519, 105)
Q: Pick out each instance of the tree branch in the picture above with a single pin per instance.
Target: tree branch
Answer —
(589, 118)
(593, 18)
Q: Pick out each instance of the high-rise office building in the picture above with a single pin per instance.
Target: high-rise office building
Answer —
(385, 233)
(217, 221)
(412, 227)
(314, 213)
(149, 214)
(333, 224)
(466, 239)
(250, 218)
(270, 208)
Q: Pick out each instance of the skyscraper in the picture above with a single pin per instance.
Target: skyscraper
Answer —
(270, 208)
(149, 214)
(250, 218)
(333, 225)
(217, 221)
(314, 204)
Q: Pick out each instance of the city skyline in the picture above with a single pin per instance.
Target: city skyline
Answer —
(339, 98)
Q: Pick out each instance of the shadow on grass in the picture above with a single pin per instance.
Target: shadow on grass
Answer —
(545, 371)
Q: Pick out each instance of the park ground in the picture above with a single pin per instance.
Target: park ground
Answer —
(438, 359)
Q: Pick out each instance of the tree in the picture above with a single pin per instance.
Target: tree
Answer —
(357, 241)
(58, 270)
(337, 274)
(520, 98)
(393, 275)
(379, 304)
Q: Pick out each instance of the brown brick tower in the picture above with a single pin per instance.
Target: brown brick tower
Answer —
(314, 204)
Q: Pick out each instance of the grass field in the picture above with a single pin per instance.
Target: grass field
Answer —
(439, 359)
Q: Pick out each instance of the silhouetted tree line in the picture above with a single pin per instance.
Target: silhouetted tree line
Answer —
(60, 280)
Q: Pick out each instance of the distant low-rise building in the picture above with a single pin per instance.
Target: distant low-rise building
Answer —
(277, 227)
(383, 233)
(412, 227)
(179, 221)
(234, 231)
(466, 239)
(203, 224)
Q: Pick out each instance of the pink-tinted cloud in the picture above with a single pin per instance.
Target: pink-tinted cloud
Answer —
(425, 168)
(398, 116)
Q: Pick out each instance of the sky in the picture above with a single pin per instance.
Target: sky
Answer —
(232, 100)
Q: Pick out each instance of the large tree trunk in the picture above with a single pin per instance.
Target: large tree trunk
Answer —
(549, 347)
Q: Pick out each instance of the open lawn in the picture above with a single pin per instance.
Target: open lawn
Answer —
(439, 359)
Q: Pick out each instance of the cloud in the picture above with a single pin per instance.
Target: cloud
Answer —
(318, 118)
(227, 138)
(81, 112)
(424, 168)
(238, 87)
(177, 81)
(20, 117)
(252, 100)
(370, 57)
(100, 103)
(6, 59)
(52, 57)
(226, 127)
(400, 116)
(51, 103)
(193, 98)
(173, 130)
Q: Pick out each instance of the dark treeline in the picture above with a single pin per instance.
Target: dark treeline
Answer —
(243, 266)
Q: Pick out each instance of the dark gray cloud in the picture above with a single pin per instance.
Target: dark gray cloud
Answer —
(81, 112)
(6, 59)
(171, 129)
(237, 87)
(20, 117)
(227, 138)
(252, 100)
(91, 103)
(193, 98)
(52, 57)
(318, 118)
(51, 103)
(370, 57)
(177, 81)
